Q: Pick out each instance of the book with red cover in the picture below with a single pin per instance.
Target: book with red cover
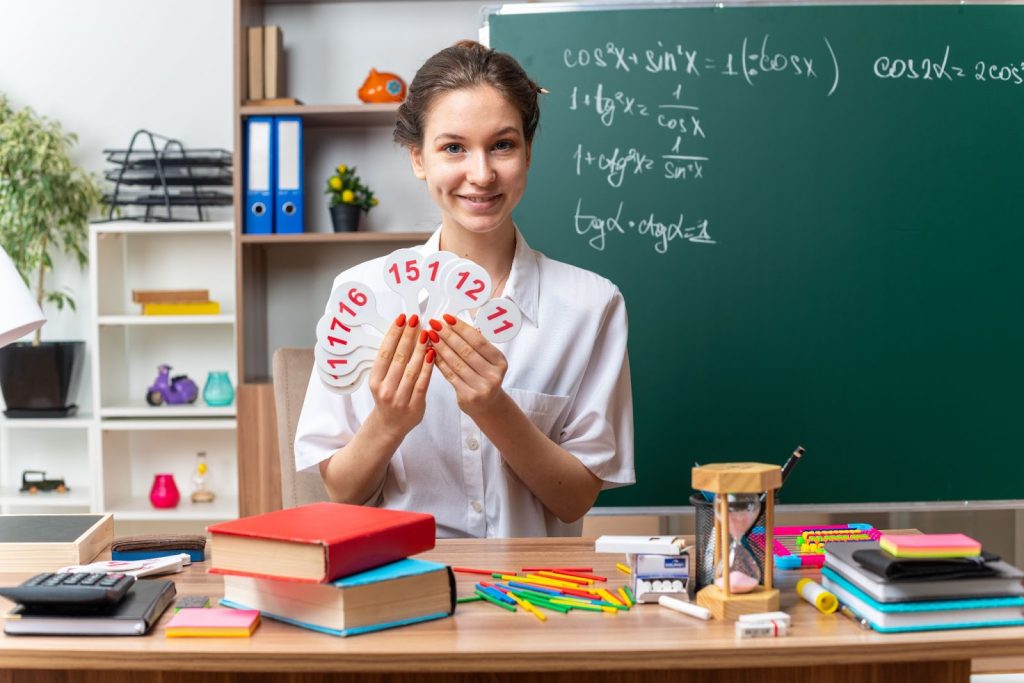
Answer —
(318, 542)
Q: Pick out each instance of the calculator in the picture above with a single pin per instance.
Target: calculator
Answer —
(70, 590)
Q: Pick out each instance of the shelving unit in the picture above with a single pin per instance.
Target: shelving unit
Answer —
(283, 280)
(131, 441)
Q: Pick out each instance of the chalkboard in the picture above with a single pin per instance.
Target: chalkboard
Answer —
(814, 214)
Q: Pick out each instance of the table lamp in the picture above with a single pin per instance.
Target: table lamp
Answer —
(19, 314)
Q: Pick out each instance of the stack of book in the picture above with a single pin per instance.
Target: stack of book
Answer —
(924, 582)
(334, 568)
(175, 301)
(265, 51)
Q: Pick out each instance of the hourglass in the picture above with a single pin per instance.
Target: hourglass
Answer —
(738, 488)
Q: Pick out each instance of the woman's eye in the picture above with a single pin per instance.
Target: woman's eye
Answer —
(504, 145)
(453, 148)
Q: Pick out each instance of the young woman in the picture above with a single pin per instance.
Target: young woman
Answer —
(516, 441)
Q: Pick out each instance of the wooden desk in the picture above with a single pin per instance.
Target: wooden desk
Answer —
(484, 643)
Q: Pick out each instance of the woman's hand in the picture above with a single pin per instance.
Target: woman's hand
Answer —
(473, 366)
(400, 376)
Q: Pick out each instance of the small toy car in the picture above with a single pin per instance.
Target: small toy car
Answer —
(34, 481)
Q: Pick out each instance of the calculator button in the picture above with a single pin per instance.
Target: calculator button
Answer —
(38, 579)
(91, 579)
(73, 579)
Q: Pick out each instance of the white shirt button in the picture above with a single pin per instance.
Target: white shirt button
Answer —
(472, 444)
(477, 507)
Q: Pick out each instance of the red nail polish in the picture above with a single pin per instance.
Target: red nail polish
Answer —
(436, 324)
(450, 319)
(423, 337)
(400, 321)
(414, 320)
(434, 337)
(430, 356)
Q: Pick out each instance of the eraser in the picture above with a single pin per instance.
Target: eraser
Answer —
(780, 617)
(187, 601)
(657, 545)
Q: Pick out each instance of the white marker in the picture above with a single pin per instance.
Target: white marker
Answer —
(403, 273)
(684, 607)
(499, 320)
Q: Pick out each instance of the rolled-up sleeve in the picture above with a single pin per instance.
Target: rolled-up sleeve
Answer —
(327, 423)
(599, 426)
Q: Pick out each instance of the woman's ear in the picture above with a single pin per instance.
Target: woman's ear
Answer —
(416, 159)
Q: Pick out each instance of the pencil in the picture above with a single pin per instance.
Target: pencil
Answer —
(625, 598)
(566, 570)
(525, 604)
(470, 598)
(495, 601)
(565, 577)
(582, 574)
(623, 568)
(470, 570)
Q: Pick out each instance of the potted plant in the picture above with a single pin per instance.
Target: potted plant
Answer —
(45, 203)
(349, 196)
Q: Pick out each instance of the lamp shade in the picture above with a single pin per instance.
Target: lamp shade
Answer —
(19, 314)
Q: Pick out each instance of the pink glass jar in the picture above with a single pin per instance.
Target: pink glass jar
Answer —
(164, 493)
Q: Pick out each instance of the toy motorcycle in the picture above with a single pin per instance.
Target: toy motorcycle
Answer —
(171, 390)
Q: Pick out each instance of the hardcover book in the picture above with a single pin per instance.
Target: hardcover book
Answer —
(934, 615)
(318, 542)
(134, 615)
(41, 543)
(400, 593)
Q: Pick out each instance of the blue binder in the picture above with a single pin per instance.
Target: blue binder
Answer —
(259, 175)
(288, 196)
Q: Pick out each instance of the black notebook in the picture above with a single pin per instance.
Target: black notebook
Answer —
(133, 616)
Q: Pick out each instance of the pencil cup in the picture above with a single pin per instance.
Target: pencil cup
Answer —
(704, 530)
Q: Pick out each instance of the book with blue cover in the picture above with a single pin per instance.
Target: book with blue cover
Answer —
(933, 615)
(403, 592)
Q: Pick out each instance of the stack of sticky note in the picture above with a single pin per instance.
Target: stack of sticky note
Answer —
(212, 622)
(923, 582)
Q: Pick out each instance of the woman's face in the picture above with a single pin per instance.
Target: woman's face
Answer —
(474, 158)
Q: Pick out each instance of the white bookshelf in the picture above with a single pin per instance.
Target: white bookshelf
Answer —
(133, 441)
(60, 447)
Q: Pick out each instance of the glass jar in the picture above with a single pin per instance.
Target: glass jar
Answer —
(218, 390)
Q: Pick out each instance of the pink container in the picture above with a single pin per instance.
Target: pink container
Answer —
(164, 493)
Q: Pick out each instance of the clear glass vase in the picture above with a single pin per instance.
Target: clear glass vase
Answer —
(218, 390)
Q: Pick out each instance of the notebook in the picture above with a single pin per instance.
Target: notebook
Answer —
(933, 615)
(839, 558)
(133, 616)
(930, 545)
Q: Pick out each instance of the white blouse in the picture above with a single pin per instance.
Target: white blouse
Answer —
(567, 370)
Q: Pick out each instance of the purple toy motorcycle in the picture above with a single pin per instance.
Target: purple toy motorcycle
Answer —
(171, 390)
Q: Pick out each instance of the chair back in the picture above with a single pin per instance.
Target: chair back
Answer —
(292, 368)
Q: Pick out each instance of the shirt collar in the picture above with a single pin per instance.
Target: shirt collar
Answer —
(523, 284)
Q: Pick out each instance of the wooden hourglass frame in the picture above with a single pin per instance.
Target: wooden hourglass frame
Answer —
(729, 478)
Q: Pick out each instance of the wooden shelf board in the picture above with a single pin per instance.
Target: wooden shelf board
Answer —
(144, 411)
(222, 508)
(326, 237)
(178, 424)
(78, 496)
(224, 319)
(170, 228)
(331, 115)
(80, 421)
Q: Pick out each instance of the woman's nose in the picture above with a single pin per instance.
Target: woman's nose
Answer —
(481, 170)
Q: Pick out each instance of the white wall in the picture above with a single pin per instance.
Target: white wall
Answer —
(105, 68)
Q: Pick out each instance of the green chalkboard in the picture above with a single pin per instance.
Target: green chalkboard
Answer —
(815, 216)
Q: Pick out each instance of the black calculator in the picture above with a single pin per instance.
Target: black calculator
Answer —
(70, 589)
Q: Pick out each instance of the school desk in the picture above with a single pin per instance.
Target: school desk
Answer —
(484, 643)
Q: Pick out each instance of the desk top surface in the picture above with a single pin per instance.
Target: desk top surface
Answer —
(481, 637)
